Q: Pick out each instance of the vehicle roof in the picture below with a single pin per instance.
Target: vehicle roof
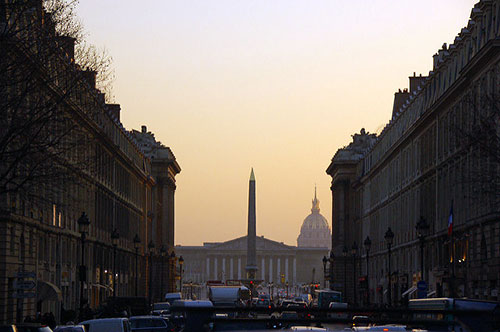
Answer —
(146, 316)
(192, 303)
(103, 320)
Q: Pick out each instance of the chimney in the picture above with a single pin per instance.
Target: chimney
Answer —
(114, 109)
(102, 97)
(144, 129)
(435, 61)
(416, 81)
(68, 45)
(89, 76)
(399, 99)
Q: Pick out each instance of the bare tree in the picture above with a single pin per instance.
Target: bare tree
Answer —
(44, 99)
(479, 136)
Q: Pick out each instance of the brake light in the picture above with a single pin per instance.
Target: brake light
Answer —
(269, 307)
(386, 329)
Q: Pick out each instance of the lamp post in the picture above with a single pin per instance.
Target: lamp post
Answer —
(115, 237)
(151, 247)
(172, 269)
(181, 263)
(324, 270)
(389, 237)
(330, 277)
(137, 243)
(344, 254)
(163, 252)
(368, 245)
(354, 252)
(422, 229)
(83, 228)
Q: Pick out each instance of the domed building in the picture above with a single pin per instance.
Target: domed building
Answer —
(315, 231)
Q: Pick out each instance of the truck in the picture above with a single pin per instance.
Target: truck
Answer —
(324, 297)
(228, 295)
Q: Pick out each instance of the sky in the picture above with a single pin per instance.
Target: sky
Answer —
(277, 85)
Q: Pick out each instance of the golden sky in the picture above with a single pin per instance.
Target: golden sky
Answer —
(278, 85)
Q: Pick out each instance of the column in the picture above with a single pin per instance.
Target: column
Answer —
(223, 269)
(231, 275)
(286, 269)
(271, 269)
(208, 269)
(239, 268)
(215, 269)
(263, 269)
(278, 269)
(294, 270)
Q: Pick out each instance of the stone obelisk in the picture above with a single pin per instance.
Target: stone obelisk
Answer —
(251, 267)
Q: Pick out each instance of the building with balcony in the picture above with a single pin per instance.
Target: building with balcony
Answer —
(424, 166)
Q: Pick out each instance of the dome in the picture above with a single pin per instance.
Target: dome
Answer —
(315, 231)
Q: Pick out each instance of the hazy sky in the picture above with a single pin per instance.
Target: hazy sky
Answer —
(274, 85)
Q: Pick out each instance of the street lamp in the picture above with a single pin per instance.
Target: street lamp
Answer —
(115, 237)
(344, 254)
(163, 252)
(354, 252)
(181, 262)
(137, 243)
(368, 245)
(151, 247)
(83, 228)
(422, 230)
(324, 270)
(332, 257)
(389, 237)
(172, 266)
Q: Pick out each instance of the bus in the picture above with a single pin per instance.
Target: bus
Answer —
(478, 315)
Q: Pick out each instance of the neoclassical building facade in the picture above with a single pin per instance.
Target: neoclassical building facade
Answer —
(112, 180)
(419, 167)
(277, 263)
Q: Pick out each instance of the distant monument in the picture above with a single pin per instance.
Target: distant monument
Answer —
(251, 267)
(315, 231)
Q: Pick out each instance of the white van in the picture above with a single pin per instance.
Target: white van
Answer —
(107, 325)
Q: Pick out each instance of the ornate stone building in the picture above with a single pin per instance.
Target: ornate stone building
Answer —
(315, 231)
(164, 168)
(227, 260)
(419, 168)
(112, 181)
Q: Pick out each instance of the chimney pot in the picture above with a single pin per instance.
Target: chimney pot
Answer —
(144, 129)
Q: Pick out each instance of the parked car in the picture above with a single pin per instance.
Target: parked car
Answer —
(32, 327)
(107, 325)
(150, 324)
(360, 321)
(69, 328)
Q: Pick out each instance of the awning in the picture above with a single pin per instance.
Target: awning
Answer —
(409, 291)
(47, 291)
(108, 288)
(431, 294)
